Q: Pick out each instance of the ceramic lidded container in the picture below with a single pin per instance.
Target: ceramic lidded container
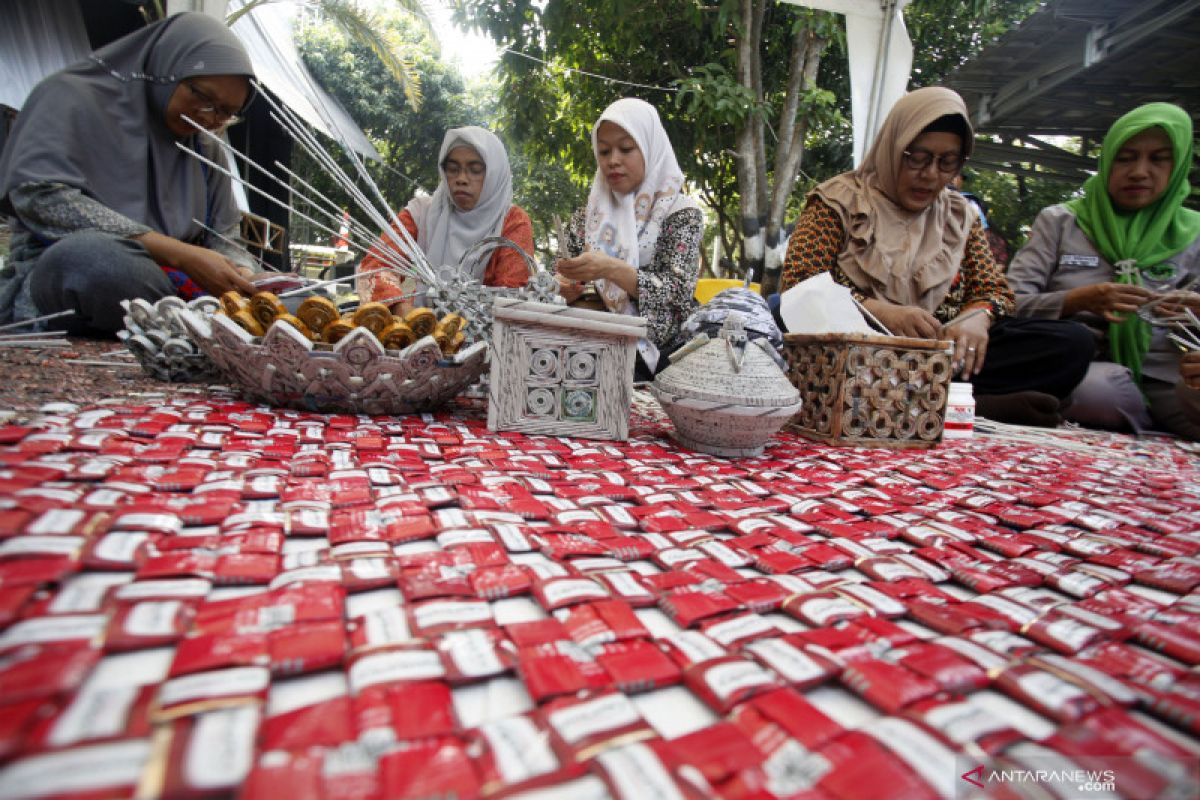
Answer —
(726, 395)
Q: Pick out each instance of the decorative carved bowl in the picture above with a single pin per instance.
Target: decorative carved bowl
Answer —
(357, 375)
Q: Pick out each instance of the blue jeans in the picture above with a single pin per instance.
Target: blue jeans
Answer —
(90, 273)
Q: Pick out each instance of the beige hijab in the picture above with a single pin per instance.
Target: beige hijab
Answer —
(891, 253)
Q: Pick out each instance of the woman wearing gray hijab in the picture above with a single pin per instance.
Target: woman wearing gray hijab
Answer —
(473, 200)
(103, 201)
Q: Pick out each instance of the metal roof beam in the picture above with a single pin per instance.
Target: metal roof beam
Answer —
(1098, 42)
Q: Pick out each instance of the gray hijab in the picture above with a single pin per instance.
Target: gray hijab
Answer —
(445, 232)
(99, 126)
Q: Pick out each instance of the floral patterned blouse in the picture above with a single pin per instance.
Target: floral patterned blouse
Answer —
(819, 237)
(667, 283)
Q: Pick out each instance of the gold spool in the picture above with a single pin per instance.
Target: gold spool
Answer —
(317, 312)
(233, 302)
(397, 336)
(245, 319)
(295, 322)
(373, 316)
(422, 321)
(451, 323)
(265, 307)
(337, 330)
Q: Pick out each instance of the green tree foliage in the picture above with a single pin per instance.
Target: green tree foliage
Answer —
(407, 139)
(690, 45)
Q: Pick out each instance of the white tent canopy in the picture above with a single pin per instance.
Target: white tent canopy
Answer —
(39, 37)
(880, 61)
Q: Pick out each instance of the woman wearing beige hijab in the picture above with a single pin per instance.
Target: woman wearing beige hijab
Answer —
(914, 254)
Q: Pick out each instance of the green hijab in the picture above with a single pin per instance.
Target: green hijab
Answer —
(1149, 236)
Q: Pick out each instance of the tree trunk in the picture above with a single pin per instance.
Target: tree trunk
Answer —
(807, 49)
(749, 160)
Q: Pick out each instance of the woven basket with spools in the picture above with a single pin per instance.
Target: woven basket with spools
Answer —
(366, 360)
(871, 391)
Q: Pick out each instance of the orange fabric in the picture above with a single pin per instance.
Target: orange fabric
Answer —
(505, 268)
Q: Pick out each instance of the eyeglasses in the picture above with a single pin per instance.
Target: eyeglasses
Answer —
(208, 106)
(917, 160)
(474, 168)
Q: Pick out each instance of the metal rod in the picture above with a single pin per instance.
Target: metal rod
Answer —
(871, 317)
(226, 239)
(964, 317)
(42, 318)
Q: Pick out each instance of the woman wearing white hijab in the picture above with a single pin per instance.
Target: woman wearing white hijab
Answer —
(638, 241)
(472, 202)
(103, 199)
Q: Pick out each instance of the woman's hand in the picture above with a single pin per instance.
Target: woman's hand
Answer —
(1189, 369)
(1109, 300)
(569, 289)
(212, 272)
(970, 342)
(591, 265)
(1175, 303)
(905, 320)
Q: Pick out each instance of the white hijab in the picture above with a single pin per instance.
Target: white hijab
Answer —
(444, 231)
(626, 226)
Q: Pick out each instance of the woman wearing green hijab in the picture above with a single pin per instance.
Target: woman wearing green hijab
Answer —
(1098, 258)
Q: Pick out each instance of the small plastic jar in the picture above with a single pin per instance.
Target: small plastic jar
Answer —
(960, 412)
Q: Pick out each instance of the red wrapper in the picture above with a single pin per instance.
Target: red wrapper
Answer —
(535, 632)
(555, 593)
(627, 586)
(113, 769)
(724, 682)
(321, 721)
(648, 769)
(799, 665)
(888, 687)
(559, 668)
(40, 671)
(637, 665)
(963, 721)
(70, 630)
(687, 608)
(582, 728)
(151, 623)
(474, 654)
(432, 768)
(316, 602)
(602, 622)
(718, 751)
(1173, 641)
(951, 671)
(410, 711)
(1047, 693)
(762, 595)
(855, 765)
(397, 665)
(515, 753)
(190, 694)
(821, 609)
(438, 616)
(1151, 765)
(734, 631)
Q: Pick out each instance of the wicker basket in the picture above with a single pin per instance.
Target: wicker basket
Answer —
(562, 371)
(872, 391)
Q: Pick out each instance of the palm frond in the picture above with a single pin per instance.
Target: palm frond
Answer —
(361, 26)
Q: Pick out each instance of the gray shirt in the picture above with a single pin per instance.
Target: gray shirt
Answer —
(1059, 257)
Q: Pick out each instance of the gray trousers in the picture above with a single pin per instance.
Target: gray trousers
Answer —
(1109, 399)
(90, 273)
